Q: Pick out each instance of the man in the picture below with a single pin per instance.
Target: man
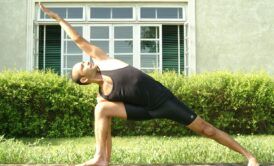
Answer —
(126, 92)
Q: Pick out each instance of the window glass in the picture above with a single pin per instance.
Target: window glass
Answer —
(111, 13)
(72, 48)
(75, 12)
(149, 46)
(167, 13)
(149, 61)
(100, 13)
(161, 13)
(42, 14)
(99, 32)
(72, 54)
(180, 13)
(104, 45)
(122, 13)
(60, 11)
(70, 61)
(148, 12)
(123, 32)
(67, 13)
(123, 47)
(126, 58)
(150, 32)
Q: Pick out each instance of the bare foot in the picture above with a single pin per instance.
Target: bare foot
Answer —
(253, 162)
(94, 162)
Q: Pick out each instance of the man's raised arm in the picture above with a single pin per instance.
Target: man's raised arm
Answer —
(89, 49)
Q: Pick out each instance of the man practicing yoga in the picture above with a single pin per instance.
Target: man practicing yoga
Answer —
(128, 93)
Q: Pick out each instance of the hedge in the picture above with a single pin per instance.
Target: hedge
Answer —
(43, 104)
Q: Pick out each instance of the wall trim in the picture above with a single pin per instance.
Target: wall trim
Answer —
(192, 36)
(29, 39)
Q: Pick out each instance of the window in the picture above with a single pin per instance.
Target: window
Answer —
(71, 53)
(99, 36)
(123, 43)
(161, 13)
(71, 13)
(173, 48)
(149, 53)
(157, 45)
(111, 13)
(50, 48)
(100, 13)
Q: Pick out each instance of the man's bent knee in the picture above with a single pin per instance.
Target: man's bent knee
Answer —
(110, 109)
(101, 109)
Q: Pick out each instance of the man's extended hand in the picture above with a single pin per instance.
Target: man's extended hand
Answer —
(50, 13)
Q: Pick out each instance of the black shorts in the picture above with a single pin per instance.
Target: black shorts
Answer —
(172, 109)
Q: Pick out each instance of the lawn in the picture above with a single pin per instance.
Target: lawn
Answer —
(134, 150)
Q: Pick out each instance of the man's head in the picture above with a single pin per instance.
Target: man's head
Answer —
(84, 73)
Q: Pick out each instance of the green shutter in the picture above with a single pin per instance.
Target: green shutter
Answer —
(52, 50)
(41, 48)
(170, 47)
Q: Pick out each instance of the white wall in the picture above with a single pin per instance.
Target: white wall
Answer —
(13, 34)
(235, 35)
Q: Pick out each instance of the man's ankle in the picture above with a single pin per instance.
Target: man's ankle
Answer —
(99, 156)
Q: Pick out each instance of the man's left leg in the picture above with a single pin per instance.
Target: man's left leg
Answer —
(202, 127)
(109, 143)
(103, 112)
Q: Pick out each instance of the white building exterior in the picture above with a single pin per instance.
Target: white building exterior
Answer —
(188, 36)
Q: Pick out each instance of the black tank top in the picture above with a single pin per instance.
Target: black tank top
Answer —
(132, 86)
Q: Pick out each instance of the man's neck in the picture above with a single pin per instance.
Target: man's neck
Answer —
(98, 79)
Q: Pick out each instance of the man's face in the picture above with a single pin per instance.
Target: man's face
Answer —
(86, 70)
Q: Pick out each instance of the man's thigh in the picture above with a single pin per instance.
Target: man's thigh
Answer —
(112, 109)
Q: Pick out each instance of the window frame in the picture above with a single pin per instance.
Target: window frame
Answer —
(109, 39)
(62, 6)
(110, 19)
(136, 22)
(133, 41)
(162, 19)
(160, 46)
(63, 54)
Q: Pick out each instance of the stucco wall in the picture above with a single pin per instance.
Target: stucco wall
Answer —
(13, 34)
(235, 35)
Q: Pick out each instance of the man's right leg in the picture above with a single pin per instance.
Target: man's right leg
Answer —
(202, 127)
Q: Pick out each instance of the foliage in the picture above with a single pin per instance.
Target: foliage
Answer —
(234, 102)
(45, 104)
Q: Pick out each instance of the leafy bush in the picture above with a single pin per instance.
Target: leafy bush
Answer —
(234, 102)
(45, 104)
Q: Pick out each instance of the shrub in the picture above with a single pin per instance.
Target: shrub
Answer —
(234, 102)
(45, 104)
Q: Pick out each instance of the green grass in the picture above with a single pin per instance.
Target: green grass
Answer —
(137, 150)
